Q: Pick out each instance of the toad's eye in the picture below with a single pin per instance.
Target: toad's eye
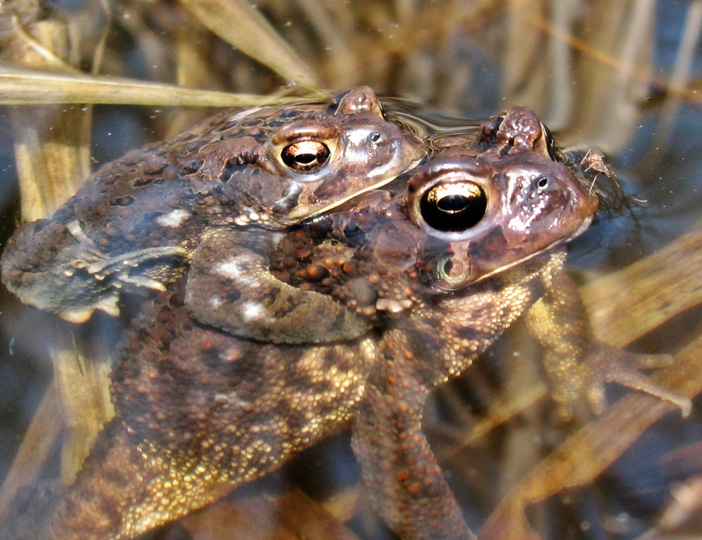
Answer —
(305, 156)
(454, 206)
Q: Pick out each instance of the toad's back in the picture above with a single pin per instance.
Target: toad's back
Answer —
(268, 167)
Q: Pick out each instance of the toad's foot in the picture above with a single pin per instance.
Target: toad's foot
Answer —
(71, 276)
(95, 285)
(608, 364)
(577, 363)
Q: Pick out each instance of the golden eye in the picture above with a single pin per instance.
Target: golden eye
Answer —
(305, 156)
(453, 206)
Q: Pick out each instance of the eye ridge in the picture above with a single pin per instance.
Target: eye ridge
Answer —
(305, 156)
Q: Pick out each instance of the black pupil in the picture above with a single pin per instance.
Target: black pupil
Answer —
(305, 158)
(453, 203)
(454, 211)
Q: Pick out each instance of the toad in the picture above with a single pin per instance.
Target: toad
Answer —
(137, 220)
(441, 269)
(439, 264)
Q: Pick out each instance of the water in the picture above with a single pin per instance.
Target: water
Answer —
(462, 63)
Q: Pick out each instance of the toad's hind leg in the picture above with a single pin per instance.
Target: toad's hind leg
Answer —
(230, 287)
(123, 491)
(405, 481)
(120, 493)
(56, 267)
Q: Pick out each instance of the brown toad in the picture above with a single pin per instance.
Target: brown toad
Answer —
(137, 220)
(200, 410)
(483, 207)
(492, 198)
(440, 271)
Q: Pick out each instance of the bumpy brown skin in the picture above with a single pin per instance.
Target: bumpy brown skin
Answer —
(200, 410)
(429, 337)
(417, 354)
(136, 221)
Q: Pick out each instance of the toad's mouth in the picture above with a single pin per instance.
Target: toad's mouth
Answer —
(454, 273)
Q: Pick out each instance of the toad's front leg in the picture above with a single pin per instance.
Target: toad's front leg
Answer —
(401, 472)
(230, 287)
(576, 362)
